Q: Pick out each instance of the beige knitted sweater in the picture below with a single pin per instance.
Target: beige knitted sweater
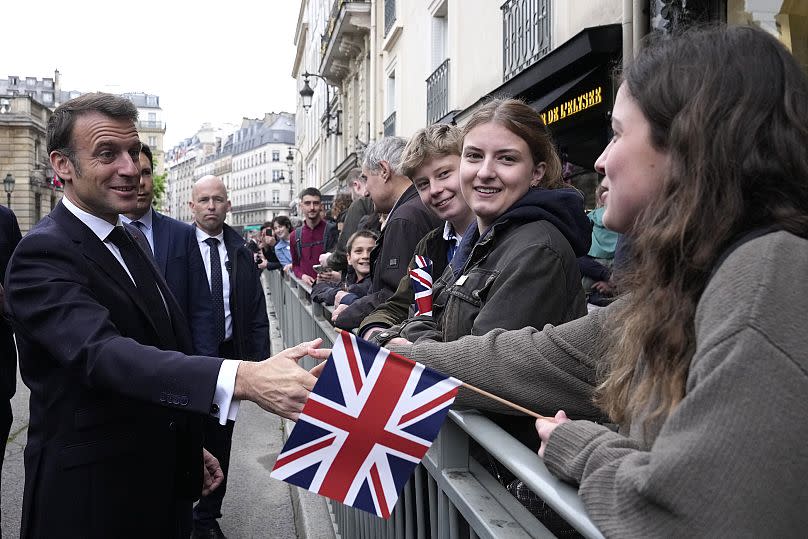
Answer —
(732, 458)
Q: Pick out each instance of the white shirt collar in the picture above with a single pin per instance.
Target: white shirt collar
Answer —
(449, 233)
(146, 219)
(201, 235)
(100, 227)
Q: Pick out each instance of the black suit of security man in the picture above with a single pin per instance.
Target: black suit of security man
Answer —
(247, 334)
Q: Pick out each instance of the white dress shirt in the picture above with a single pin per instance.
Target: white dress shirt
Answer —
(204, 249)
(226, 382)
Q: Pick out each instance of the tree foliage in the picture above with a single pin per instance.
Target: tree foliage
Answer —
(159, 188)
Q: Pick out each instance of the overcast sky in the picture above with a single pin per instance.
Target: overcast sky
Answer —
(214, 62)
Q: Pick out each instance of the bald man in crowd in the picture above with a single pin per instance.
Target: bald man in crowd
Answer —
(241, 328)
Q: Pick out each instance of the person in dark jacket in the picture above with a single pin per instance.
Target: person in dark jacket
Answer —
(359, 246)
(240, 320)
(361, 207)
(407, 222)
(516, 265)
(432, 160)
(9, 238)
(173, 244)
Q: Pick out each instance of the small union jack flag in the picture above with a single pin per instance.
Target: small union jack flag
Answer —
(368, 422)
(421, 277)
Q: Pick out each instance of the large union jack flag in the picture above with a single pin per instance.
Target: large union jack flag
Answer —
(421, 277)
(368, 422)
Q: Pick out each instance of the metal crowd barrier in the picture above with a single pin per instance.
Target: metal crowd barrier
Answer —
(451, 495)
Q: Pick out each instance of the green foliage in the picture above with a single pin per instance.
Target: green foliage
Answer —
(159, 188)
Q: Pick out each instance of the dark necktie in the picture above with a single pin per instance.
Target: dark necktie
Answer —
(146, 284)
(216, 288)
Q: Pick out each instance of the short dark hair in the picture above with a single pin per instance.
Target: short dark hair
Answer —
(311, 192)
(60, 124)
(283, 221)
(144, 149)
(362, 233)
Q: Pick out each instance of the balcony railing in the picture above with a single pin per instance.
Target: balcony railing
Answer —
(390, 126)
(525, 34)
(150, 124)
(437, 93)
(450, 494)
(252, 206)
(389, 15)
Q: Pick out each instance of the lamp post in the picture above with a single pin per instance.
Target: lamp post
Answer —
(306, 96)
(8, 184)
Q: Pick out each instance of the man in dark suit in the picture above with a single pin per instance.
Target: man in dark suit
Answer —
(240, 320)
(9, 238)
(174, 246)
(114, 442)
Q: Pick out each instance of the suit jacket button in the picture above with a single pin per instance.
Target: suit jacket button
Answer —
(214, 409)
(172, 426)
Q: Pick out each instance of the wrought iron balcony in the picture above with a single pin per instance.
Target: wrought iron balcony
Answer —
(389, 15)
(390, 126)
(526, 35)
(437, 93)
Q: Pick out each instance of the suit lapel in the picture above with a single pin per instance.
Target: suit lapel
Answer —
(94, 249)
(161, 235)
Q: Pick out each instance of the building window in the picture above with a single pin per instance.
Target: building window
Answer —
(276, 155)
(47, 98)
(276, 197)
(152, 141)
(276, 175)
(389, 15)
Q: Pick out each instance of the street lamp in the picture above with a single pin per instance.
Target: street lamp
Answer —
(306, 95)
(8, 184)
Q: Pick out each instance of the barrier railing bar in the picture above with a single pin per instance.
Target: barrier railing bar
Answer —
(523, 463)
(456, 485)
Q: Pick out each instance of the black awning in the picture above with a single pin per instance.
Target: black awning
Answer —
(599, 47)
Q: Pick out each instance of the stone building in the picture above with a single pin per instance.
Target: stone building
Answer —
(387, 67)
(150, 126)
(260, 183)
(24, 158)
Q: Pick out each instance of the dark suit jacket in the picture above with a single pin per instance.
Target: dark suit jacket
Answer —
(177, 255)
(114, 438)
(247, 304)
(9, 238)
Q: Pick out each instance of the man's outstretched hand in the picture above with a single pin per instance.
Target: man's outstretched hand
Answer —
(279, 384)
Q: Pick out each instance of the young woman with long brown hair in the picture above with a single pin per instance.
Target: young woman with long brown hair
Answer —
(704, 362)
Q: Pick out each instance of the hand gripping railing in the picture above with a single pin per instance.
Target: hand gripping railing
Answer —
(451, 495)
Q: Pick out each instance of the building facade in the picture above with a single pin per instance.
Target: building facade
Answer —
(24, 159)
(419, 62)
(261, 186)
(150, 126)
(250, 160)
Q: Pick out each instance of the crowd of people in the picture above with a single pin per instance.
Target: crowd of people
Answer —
(659, 333)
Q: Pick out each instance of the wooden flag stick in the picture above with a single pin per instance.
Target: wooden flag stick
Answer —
(503, 401)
